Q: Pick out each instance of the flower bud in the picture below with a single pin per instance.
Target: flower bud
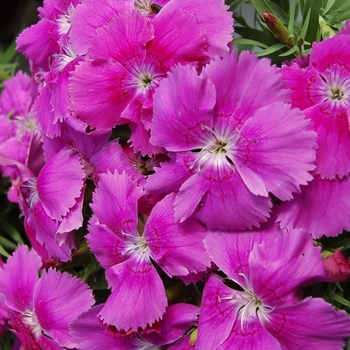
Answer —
(337, 267)
(278, 28)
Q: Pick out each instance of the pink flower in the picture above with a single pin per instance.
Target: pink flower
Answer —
(322, 91)
(267, 310)
(41, 309)
(337, 267)
(232, 139)
(132, 53)
(127, 254)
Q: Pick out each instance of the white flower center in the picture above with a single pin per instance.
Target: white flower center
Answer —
(218, 151)
(30, 192)
(64, 21)
(136, 246)
(29, 319)
(335, 86)
(144, 7)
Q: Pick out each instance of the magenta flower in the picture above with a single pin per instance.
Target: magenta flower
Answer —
(235, 140)
(52, 201)
(16, 117)
(41, 309)
(126, 253)
(322, 91)
(42, 40)
(176, 321)
(267, 311)
(132, 53)
(321, 208)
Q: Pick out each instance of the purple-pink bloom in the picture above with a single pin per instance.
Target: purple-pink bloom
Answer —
(267, 310)
(322, 91)
(232, 140)
(126, 253)
(132, 53)
(41, 309)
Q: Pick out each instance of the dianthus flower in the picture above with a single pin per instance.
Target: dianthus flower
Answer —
(259, 305)
(132, 53)
(232, 140)
(41, 309)
(126, 254)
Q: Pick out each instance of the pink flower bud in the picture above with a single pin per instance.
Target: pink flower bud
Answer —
(337, 267)
(278, 28)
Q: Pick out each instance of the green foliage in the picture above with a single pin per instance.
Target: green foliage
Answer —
(8, 63)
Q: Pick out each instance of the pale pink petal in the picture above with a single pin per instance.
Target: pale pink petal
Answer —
(330, 51)
(88, 324)
(275, 151)
(112, 157)
(228, 204)
(59, 299)
(180, 113)
(177, 248)
(279, 268)
(217, 315)
(217, 25)
(18, 278)
(176, 321)
(100, 88)
(138, 297)
(177, 39)
(105, 244)
(243, 85)
(333, 141)
(252, 336)
(230, 251)
(88, 17)
(310, 324)
(39, 42)
(171, 175)
(120, 194)
(60, 183)
(321, 208)
(46, 230)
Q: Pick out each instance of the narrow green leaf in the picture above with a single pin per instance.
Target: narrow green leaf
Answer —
(329, 5)
(292, 17)
(3, 252)
(234, 4)
(7, 243)
(289, 52)
(261, 6)
(314, 6)
(305, 25)
(243, 41)
(7, 55)
(340, 299)
(11, 231)
(270, 50)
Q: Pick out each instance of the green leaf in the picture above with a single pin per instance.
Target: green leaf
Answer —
(261, 6)
(329, 5)
(313, 29)
(270, 50)
(234, 4)
(7, 243)
(292, 17)
(340, 299)
(305, 25)
(7, 55)
(289, 52)
(11, 231)
(243, 41)
(3, 252)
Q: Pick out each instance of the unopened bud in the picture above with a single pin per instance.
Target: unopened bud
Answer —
(337, 267)
(278, 28)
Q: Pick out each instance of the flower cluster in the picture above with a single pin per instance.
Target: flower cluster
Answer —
(229, 169)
